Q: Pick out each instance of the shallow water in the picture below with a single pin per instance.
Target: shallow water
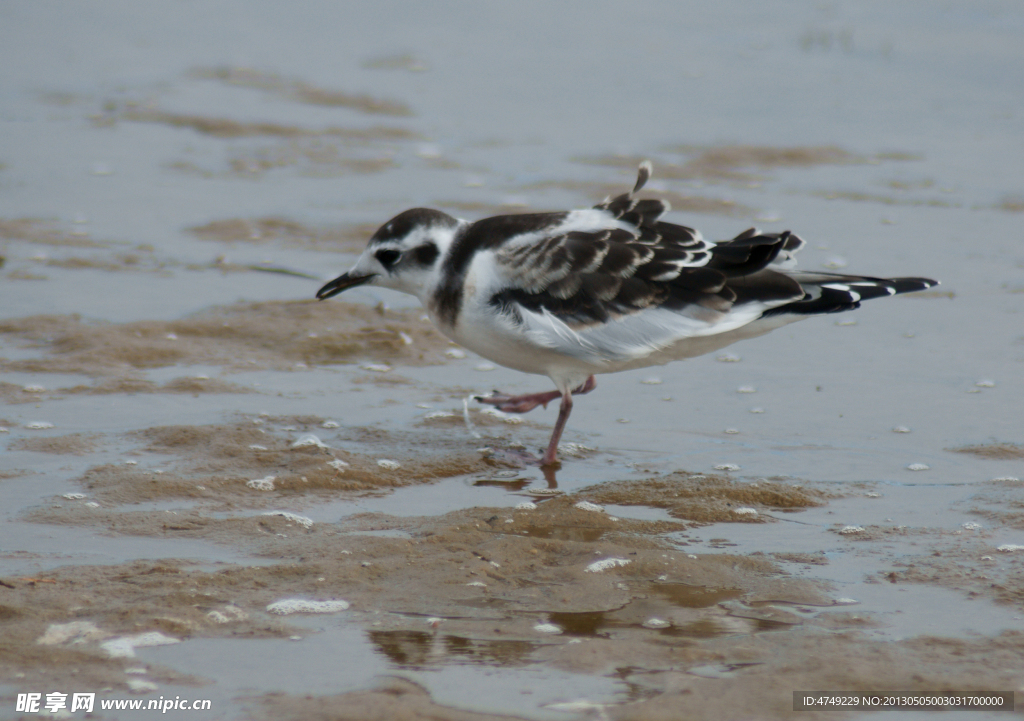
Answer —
(174, 189)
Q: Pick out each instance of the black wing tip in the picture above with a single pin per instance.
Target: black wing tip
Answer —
(842, 293)
(916, 284)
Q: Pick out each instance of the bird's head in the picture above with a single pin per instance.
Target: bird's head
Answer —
(404, 254)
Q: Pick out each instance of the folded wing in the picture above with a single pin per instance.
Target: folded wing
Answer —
(616, 282)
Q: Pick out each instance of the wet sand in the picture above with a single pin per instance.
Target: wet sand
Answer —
(215, 487)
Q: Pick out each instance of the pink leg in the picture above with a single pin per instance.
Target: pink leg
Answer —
(525, 403)
(551, 454)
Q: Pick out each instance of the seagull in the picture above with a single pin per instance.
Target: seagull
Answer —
(611, 288)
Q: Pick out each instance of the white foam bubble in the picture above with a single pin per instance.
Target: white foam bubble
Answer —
(309, 440)
(262, 484)
(74, 632)
(605, 564)
(547, 628)
(294, 517)
(300, 605)
(124, 647)
(141, 685)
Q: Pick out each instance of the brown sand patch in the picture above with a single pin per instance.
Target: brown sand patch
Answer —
(707, 499)
(302, 92)
(973, 567)
(487, 590)
(14, 393)
(115, 601)
(326, 151)
(558, 519)
(137, 261)
(459, 568)
(227, 128)
(995, 451)
(1000, 503)
(213, 465)
(78, 444)
(726, 162)
(729, 163)
(735, 677)
(860, 197)
(312, 158)
(807, 559)
(487, 577)
(394, 698)
(46, 232)
(972, 559)
(195, 385)
(25, 275)
(756, 678)
(915, 185)
(275, 335)
(343, 239)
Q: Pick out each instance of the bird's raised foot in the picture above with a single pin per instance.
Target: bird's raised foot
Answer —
(518, 404)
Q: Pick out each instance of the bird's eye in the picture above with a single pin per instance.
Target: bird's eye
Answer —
(387, 257)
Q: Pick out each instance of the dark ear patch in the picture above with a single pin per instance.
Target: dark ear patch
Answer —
(426, 254)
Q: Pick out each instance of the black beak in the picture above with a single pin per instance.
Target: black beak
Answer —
(342, 282)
